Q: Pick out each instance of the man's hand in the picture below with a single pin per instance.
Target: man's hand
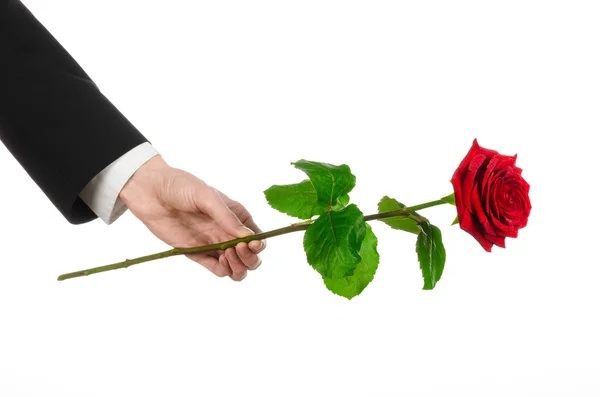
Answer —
(183, 211)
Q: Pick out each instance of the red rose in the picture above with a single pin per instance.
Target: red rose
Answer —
(492, 199)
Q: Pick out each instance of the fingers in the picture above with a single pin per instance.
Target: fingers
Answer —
(252, 225)
(233, 217)
(247, 256)
(217, 267)
(257, 245)
(240, 260)
(238, 268)
(230, 263)
(216, 208)
(234, 220)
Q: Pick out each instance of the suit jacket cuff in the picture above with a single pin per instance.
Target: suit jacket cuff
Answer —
(101, 194)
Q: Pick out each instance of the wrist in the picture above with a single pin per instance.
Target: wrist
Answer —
(141, 183)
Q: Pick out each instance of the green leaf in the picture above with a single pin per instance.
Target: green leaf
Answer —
(450, 199)
(327, 188)
(342, 201)
(298, 200)
(455, 221)
(431, 254)
(351, 286)
(399, 223)
(329, 181)
(332, 243)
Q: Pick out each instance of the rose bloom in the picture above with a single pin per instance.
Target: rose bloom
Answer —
(492, 198)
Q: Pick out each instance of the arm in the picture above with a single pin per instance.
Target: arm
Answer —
(53, 118)
(67, 136)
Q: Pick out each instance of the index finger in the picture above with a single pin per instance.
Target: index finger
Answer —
(256, 245)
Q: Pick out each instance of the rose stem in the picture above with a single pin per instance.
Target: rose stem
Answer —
(232, 243)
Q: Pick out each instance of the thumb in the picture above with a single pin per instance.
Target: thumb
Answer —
(216, 208)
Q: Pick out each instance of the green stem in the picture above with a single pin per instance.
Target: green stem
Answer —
(403, 211)
(232, 243)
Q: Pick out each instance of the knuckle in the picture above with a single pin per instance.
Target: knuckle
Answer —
(245, 216)
(214, 193)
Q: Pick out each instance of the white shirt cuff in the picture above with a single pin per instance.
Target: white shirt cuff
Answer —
(101, 194)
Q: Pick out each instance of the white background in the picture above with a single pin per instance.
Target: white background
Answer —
(232, 91)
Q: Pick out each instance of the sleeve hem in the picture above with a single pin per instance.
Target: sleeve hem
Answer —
(101, 194)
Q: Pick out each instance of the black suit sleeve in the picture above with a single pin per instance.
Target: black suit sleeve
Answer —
(53, 118)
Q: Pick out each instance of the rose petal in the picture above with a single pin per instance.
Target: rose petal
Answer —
(485, 186)
(469, 182)
(480, 211)
(468, 226)
(473, 151)
(498, 240)
(511, 232)
(458, 195)
(492, 196)
(505, 161)
(501, 227)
